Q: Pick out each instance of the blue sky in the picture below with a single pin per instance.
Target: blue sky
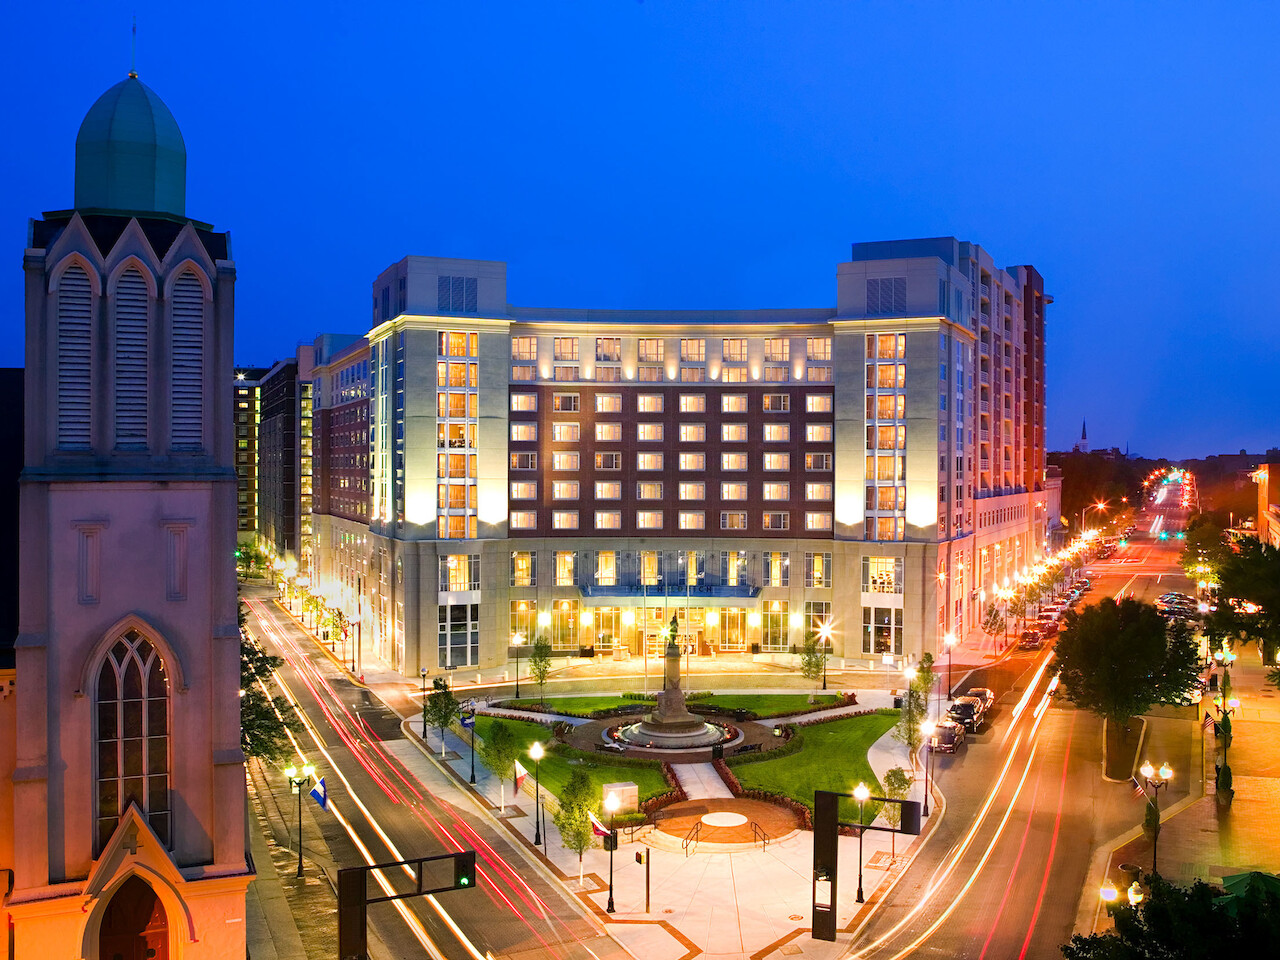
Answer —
(670, 154)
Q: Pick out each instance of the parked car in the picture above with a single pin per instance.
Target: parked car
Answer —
(985, 694)
(947, 738)
(968, 711)
(1032, 639)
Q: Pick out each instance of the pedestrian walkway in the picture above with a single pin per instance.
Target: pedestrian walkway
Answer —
(867, 700)
(700, 781)
(531, 715)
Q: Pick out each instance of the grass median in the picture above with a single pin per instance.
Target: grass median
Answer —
(762, 704)
(555, 769)
(833, 757)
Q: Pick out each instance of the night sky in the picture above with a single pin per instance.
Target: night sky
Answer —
(677, 154)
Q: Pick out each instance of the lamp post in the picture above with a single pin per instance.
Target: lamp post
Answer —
(1225, 713)
(1155, 779)
(950, 640)
(611, 807)
(824, 634)
(928, 728)
(296, 783)
(516, 641)
(1101, 505)
(535, 754)
(423, 671)
(860, 793)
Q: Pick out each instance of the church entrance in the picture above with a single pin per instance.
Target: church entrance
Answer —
(135, 926)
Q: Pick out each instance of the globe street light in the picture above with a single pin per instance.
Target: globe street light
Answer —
(1155, 779)
(928, 728)
(296, 783)
(860, 793)
(1225, 712)
(950, 641)
(611, 807)
(535, 754)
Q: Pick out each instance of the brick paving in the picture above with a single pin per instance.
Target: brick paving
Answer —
(679, 818)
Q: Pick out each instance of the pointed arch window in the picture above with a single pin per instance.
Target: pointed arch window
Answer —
(132, 756)
(75, 305)
(131, 360)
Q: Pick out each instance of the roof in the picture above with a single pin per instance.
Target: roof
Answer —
(130, 154)
(573, 315)
(105, 229)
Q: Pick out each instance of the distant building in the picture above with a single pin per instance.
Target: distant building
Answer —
(248, 415)
(285, 458)
(1082, 445)
(1267, 476)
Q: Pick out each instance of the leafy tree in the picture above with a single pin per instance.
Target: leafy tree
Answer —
(265, 720)
(499, 752)
(813, 657)
(540, 664)
(1185, 923)
(915, 707)
(1117, 659)
(1205, 545)
(573, 818)
(440, 708)
(1018, 608)
(1249, 575)
(992, 621)
(896, 785)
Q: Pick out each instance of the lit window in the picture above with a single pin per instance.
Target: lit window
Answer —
(693, 351)
(524, 348)
(649, 491)
(817, 491)
(524, 569)
(693, 461)
(524, 461)
(566, 373)
(777, 432)
(777, 491)
(523, 374)
(524, 432)
(777, 402)
(649, 403)
(565, 403)
(693, 491)
(733, 432)
(565, 460)
(608, 520)
(777, 350)
(648, 461)
(564, 519)
(527, 490)
(651, 350)
(777, 521)
(608, 349)
(649, 432)
(527, 402)
(735, 350)
(777, 461)
(817, 461)
(693, 433)
(733, 491)
(733, 461)
(609, 432)
(817, 521)
(818, 348)
(564, 490)
(817, 569)
(818, 432)
(524, 520)
(566, 563)
(565, 432)
(606, 568)
(818, 403)
(692, 520)
(733, 403)
(730, 374)
(608, 403)
(693, 402)
(648, 519)
(733, 520)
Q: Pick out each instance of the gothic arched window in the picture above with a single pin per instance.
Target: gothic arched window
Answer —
(132, 736)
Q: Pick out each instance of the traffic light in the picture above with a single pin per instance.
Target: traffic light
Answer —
(1124, 542)
(1164, 534)
(464, 870)
(1182, 534)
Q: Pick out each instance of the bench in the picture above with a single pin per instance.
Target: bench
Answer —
(748, 748)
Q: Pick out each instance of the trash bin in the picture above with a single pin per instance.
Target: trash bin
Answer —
(897, 703)
(717, 751)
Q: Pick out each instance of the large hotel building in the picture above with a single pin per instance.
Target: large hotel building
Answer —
(485, 474)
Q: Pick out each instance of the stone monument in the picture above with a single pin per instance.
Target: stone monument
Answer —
(670, 725)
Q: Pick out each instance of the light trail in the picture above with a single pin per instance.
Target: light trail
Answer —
(1053, 843)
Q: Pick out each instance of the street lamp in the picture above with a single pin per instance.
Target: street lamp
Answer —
(1225, 713)
(1101, 505)
(1155, 779)
(535, 754)
(296, 783)
(950, 641)
(824, 634)
(424, 704)
(611, 807)
(928, 728)
(516, 641)
(860, 793)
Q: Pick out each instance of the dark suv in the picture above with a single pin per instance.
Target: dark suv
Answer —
(969, 712)
(947, 738)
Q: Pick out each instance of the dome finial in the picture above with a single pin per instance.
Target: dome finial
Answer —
(133, 50)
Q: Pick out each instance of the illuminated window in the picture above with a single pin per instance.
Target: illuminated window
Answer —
(606, 568)
(819, 375)
(733, 520)
(818, 432)
(733, 461)
(693, 402)
(524, 568)
(651, 350)
(882, 630)
(777, 350)
(649, 491)
(608, 490)
(460, 571)
(887, 376)
(524, 432)
(650, 563)
(777, 432)
(818, 349)
(777, 521)
(818, 403)
(693, 491)
(693, 461)
(565, 403)
(733, 491)
(882, 574)
(608, 520)
(733, 375)
(565, 460)
(649, 432)
(522, 374)
(777, 402)
(565, 432)
(564, 519)
(648, 461)
(608, 349)
(888, 528)
(817, 569)
(733, 432)
(648, 519)
(776, 568)
(524, 490)
(608, 403)
(609, 432)
(524, 520)
(817, 521)
(526, 402)
(524, 461)
(817, 491)
(733, 403)
(777, 491)
(649, 374)
(693, 351)
(735, 350)
(566, 348)
(649, 403)
(886, 498)
(564, 490)
(693, 374)
(524, 348)
(887, 346)
(693, 433)
(777, 461)
(608, 461)
(692, 520)
(567, 374)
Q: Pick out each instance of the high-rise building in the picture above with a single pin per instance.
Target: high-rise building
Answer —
(285, 458)
(248, 416)
(122, 794)
(587, 474)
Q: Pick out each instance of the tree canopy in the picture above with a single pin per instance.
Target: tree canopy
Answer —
(1249, 574)
(1117, 659)
(540, 663)
(441, 708)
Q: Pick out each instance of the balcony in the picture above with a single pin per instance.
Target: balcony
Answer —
(699, 592)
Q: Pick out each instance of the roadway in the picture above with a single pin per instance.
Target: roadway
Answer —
(1026, 803)
(380, 812)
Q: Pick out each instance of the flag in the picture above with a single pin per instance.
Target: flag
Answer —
(521, 773)
(320, 794)
(598, 828)
(1208, 719)
(468, 721)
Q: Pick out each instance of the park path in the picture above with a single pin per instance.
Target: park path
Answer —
(701, 781)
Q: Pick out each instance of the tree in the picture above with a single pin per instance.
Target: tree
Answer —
(813, 657)
(992, 621)
(499, 752)
(440, 709)
(1185, 923)
(915, 707)
(540, 664)
(573, 819)
(1117, 659)
(896, 785)
(1248, 607)
(265, 720)
(1018, 608)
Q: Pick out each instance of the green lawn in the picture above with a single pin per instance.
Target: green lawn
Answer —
(769, 704)
(555, 770)
(834, 757)
(572, 704)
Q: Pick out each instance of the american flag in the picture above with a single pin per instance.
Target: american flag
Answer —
(598, 828)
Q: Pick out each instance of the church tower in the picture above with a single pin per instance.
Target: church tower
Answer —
(123, 814)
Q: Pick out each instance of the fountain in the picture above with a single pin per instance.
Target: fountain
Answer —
(670, 725)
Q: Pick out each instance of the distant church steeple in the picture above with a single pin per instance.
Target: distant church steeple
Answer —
(1083, 445)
